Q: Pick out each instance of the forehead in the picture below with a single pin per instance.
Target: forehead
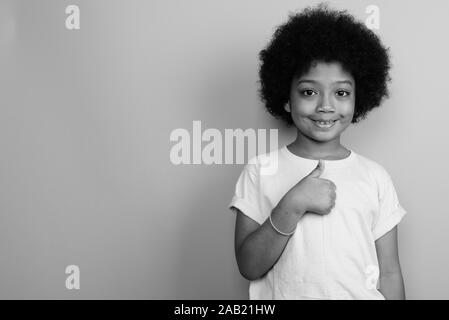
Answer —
(326, 72)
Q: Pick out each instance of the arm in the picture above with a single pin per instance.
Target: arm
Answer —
(391, 281)
(258, 247)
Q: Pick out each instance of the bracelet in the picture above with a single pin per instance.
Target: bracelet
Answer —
(278, 231)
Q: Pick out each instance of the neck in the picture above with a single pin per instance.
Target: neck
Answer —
(312, 149)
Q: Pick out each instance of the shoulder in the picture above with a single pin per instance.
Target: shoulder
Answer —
(375, 169)
(264, 164)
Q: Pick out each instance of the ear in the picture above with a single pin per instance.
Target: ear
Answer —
(287, 107)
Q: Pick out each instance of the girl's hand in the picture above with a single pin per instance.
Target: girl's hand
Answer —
(311, 193)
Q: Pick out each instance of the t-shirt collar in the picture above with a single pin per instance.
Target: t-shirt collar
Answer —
(340, 163)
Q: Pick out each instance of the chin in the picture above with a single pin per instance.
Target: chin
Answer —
(324, 139)
(323, 136)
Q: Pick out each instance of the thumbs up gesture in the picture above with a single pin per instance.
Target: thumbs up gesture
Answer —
(311, 194)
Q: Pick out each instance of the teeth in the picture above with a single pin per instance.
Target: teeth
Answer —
(324, 123)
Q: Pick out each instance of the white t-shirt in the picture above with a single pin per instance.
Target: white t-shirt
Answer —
(329, 256)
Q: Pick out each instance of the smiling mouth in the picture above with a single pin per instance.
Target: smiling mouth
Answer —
(324, 124)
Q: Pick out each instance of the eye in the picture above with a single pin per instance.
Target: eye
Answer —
(343, 93)
(308, 92)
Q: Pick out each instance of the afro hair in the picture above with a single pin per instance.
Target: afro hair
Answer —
(323, 34)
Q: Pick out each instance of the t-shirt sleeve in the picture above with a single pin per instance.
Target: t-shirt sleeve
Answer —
(248, 194)
(390, 210)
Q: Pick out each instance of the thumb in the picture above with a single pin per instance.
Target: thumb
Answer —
(318, 170)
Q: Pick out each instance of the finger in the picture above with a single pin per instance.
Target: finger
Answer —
(330, 183)
(315, 173)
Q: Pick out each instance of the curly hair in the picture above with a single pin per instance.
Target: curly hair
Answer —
(323, 34)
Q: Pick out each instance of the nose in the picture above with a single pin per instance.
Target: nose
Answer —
(325, 105)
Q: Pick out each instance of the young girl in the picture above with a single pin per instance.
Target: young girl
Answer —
(324, 224)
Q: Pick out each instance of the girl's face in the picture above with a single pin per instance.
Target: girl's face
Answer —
(322, 101)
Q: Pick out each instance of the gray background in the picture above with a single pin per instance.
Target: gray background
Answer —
(86, 115)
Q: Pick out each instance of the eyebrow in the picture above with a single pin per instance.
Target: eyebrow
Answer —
(313, 81)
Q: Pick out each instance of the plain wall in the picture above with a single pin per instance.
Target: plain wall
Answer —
(86, 116)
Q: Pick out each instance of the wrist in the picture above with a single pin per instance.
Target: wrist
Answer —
(283, 222)
(284, 217)
(285, 207)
